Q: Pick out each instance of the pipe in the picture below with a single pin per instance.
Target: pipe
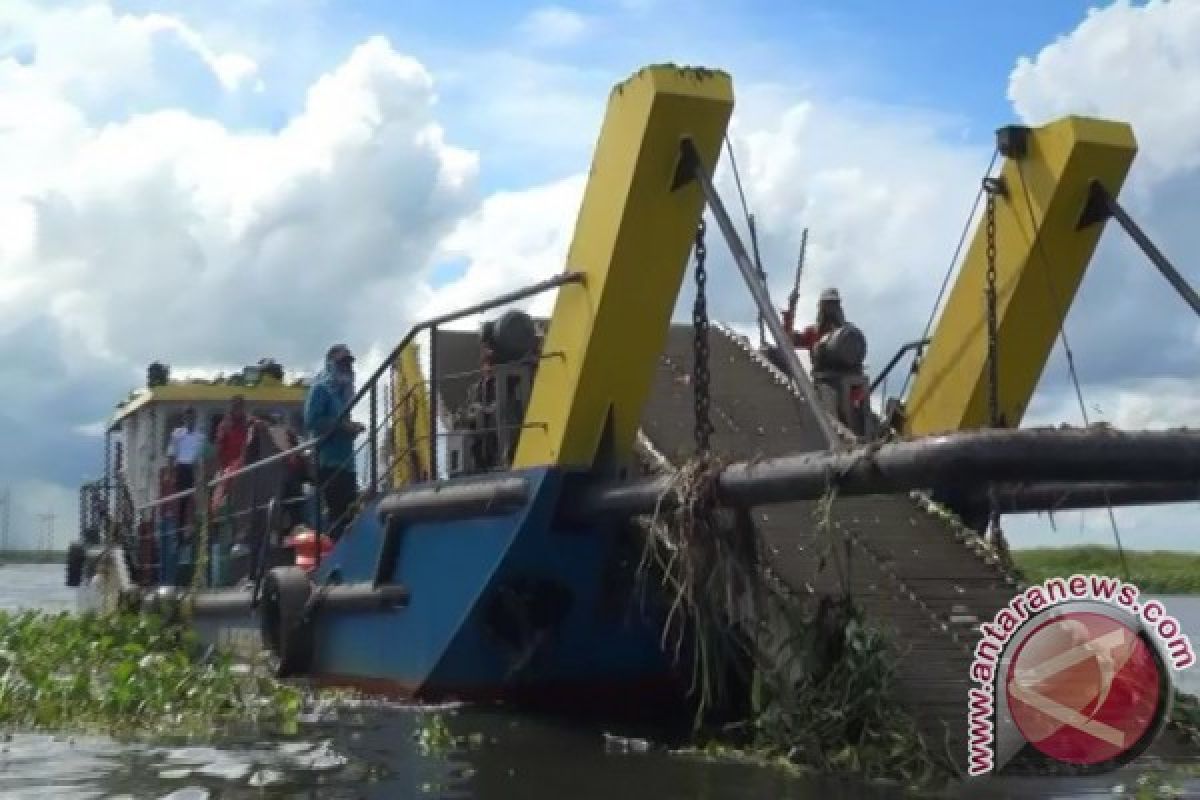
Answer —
(952, 460)
(1039, 497)
(361, 596)
(459, 499)
(917, 345)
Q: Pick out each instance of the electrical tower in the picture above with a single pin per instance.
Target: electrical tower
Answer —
(48, 531)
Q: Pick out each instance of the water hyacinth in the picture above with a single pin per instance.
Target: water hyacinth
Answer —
(128, 675)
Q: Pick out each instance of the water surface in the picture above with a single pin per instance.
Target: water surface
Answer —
(377, 750)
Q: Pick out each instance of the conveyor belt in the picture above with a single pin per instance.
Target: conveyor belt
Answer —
(908, 568)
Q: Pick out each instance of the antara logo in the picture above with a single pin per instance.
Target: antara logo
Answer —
(1073, 671)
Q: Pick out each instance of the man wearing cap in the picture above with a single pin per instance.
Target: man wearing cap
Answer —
(328, 398)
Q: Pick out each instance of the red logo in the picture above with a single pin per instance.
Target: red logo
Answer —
(1084, 688)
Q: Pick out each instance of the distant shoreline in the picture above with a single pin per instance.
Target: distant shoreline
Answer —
(32, 557)
(1152, 571)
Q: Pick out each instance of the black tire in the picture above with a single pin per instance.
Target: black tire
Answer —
(286, 632)
(76, 556)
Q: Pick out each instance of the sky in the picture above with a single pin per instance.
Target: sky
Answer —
(207, 184)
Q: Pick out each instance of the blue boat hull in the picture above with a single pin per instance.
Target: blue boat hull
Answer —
(512, 606)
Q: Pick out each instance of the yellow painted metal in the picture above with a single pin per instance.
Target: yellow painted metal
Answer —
(268, 391)
(1040, 260)
(632, 240)
(410, 421)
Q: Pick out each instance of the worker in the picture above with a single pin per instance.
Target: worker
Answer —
(232, 433)
(837, 350)
(184, 450)
(328, 398)
(830, 317)
(481, 406)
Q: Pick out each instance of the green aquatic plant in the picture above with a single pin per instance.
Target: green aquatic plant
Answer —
(809, 679)
(128, 675)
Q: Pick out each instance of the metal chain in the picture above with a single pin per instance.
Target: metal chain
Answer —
(704, 426)
(992, 339)
(993, 187)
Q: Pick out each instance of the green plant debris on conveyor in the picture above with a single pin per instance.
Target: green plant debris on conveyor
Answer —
(128, 675)
(811, 683)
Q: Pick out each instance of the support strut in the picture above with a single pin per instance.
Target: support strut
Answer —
(1101, 205)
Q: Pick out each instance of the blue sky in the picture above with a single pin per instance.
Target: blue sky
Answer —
(372, 162)
(945, 57)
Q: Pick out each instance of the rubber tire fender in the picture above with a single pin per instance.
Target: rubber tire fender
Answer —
(286, 631)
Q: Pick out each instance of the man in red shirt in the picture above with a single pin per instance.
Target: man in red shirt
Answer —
(232, 434)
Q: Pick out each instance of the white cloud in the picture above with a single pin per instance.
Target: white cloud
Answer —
(92, 54)
(554, 26)
(137, 231)
(516, 238)
(203, 229)
(1135, 63)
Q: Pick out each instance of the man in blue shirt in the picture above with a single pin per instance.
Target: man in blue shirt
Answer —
(328, 397)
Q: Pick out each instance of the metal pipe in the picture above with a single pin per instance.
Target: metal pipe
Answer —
(504, 299)
(1039, 497)
(433, 407)
(373, 457)
(955, 460)
(690, 162)
(360, 596)
(457, 499)
(1101, 204)
(904, 348)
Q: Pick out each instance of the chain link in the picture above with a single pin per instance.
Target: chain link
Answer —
(704, 426)
(990, 292)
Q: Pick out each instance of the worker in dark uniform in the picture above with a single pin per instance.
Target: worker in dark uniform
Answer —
(484, 447)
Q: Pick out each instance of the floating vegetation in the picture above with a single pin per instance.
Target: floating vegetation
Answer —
(807, 681)
(128, 675)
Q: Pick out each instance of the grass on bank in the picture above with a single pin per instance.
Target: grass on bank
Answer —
(1156, 572)
(128, 675)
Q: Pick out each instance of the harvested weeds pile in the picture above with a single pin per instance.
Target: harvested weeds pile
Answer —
(798, 677)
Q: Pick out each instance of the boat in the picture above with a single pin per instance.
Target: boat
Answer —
(492, 556)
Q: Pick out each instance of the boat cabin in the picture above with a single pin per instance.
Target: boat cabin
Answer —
(141, 427)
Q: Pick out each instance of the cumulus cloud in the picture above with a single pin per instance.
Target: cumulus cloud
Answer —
(1136, 63)
(165, 234)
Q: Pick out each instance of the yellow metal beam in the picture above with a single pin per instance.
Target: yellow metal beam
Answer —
(410, 421)
(632, 240)
(1040, 260)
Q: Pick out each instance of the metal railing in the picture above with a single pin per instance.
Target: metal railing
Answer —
(129, 526)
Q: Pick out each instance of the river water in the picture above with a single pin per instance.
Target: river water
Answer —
(375, 751)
